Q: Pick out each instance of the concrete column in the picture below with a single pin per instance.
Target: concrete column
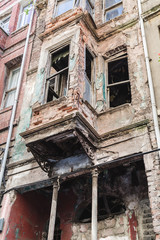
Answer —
(94, 203)
(53, 211)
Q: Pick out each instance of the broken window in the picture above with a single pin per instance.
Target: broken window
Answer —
(112, 9)
(4, 24)
(25, 15)
(58, 76)
(11, 86)
(88, 75)
(119, 90)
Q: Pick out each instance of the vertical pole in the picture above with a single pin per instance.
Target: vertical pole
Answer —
(94, 203)
(53, 211)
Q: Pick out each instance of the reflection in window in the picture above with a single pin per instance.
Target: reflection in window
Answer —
(25, 15)
(119, 91)
(113, 8)
(57, 81)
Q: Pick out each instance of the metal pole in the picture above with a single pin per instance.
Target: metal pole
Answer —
(94, 203)
(53, 211)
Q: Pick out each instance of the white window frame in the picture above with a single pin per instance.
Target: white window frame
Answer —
(10, 90)
(108, 86)
(105, 10)
(2, 24)
(23, 16)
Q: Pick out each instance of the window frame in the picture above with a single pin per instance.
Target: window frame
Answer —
(8, 91)
(1, 23)
(108, 86)
(105, 10)
(23, 15)
(48, 77)
(90, 81)
(56, 4)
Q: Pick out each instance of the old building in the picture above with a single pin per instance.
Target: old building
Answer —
(83, 160)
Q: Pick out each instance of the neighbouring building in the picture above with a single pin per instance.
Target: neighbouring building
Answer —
(83, 161)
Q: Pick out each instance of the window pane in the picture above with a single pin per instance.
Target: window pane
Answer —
(109, 3)
(114, 13)
(13, 79)
(5, 24)
(9, 100)
(25, 15)
(87, 93)
(89, 8)
(64, 6)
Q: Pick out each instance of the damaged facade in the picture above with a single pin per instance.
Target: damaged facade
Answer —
(83, 161)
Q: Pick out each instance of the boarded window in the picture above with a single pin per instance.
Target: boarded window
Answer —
(88, 76)
(11, 87)
(112, 9)
(57, 81)
(119, 90)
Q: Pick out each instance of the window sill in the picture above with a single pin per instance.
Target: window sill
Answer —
(5, 109)
(115, 109)
(19, 30)
(51, 103)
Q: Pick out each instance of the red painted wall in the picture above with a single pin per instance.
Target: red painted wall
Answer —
(28, 217)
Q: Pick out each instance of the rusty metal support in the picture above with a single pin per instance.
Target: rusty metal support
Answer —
(53, 211)
(94, 203)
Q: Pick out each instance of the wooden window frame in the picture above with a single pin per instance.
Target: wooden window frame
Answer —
(108, 86)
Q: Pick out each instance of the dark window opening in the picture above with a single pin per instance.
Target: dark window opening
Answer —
(118, 82)
(107, 207)
(57, 81)
(88, 76)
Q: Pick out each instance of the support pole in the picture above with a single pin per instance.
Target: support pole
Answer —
(94, 203)
(53, 211)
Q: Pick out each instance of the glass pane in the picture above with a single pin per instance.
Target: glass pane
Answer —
(109, 3)
(13, 79)
(25, 16)
(87, 93)
(64, 6)
(9, 100)
(114, 13)
(5, 24)
(89, 8)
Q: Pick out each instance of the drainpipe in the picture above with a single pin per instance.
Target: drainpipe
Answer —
(94, 204)
(16, 99)
(149, 75)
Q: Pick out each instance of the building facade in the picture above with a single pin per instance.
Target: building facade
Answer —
(83, 161)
